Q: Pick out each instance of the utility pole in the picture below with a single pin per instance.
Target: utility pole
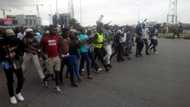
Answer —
(71, 8)
(172, 16)
(138, 4)
(4, 12)
(38, 11)
(81, 12)
(51, 15)
(57, 13)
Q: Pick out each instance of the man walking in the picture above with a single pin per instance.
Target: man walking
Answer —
(51, 47)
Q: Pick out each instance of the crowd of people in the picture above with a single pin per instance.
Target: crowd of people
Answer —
(81, 51)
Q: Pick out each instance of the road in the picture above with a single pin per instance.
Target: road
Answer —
(161, 80)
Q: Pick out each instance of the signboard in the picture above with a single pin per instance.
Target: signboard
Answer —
(8, 21)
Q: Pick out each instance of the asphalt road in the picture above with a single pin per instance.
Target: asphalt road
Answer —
(161, 80)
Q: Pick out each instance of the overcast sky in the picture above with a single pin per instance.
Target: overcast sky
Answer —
(117, 11)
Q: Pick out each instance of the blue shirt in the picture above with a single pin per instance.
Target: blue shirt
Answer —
(38, 36)
(85, 47)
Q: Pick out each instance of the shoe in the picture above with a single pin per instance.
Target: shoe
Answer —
(20, 97)
(156, 52)
(52, 77)
(79, 79)
(44, 83)
(122, 59)
(129, 58)
(109, 65)
(83, 70)
(13, 100)
(107, 69)
(99, 70)
(74, 85)
(58, 89)
(90, 77)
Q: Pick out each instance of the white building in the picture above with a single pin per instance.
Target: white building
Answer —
(28, 20)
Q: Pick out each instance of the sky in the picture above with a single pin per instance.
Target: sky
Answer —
(117, 11)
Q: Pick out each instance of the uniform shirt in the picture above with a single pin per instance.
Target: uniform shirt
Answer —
(51, 45)
(99, 41)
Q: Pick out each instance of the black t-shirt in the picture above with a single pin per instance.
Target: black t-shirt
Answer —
(11, 48)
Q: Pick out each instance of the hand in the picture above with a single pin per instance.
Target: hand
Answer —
(65, 55)
(12, 55)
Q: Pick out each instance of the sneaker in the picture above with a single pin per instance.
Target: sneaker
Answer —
(58, 89)
(83, 70)
(99, 70)
(13, 100)
(44, 83)
(74, 85)
(107, 69)
(79, 80)
(109, 65)
(90, 77)
(20, 97)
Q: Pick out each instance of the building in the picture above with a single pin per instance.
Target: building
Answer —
(62, 19)
(25, 20)
(28, 20)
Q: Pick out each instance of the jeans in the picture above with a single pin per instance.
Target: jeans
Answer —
(153, 44)
(146, 46)
(99, 54)
(120, 52)
(94, 65)
(10, 80)
(70, 62)
(76, 66)
(85, 58)
(140, 45)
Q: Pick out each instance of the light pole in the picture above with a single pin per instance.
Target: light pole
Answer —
(57, 13)
(138, 11)
(4, 12)
(38, 11)
(81, 12)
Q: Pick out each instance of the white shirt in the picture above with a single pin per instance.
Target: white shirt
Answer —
(123, 39)
(20, 35)
(145, 33)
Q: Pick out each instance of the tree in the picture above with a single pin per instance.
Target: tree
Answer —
(74, 24)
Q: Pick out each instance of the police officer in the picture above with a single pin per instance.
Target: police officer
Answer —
(99, 50)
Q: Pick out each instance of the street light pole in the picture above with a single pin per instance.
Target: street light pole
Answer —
(4, 12)
(57, 13)
(81, 12)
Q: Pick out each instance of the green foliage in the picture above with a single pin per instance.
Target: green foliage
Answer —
(74, 24)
